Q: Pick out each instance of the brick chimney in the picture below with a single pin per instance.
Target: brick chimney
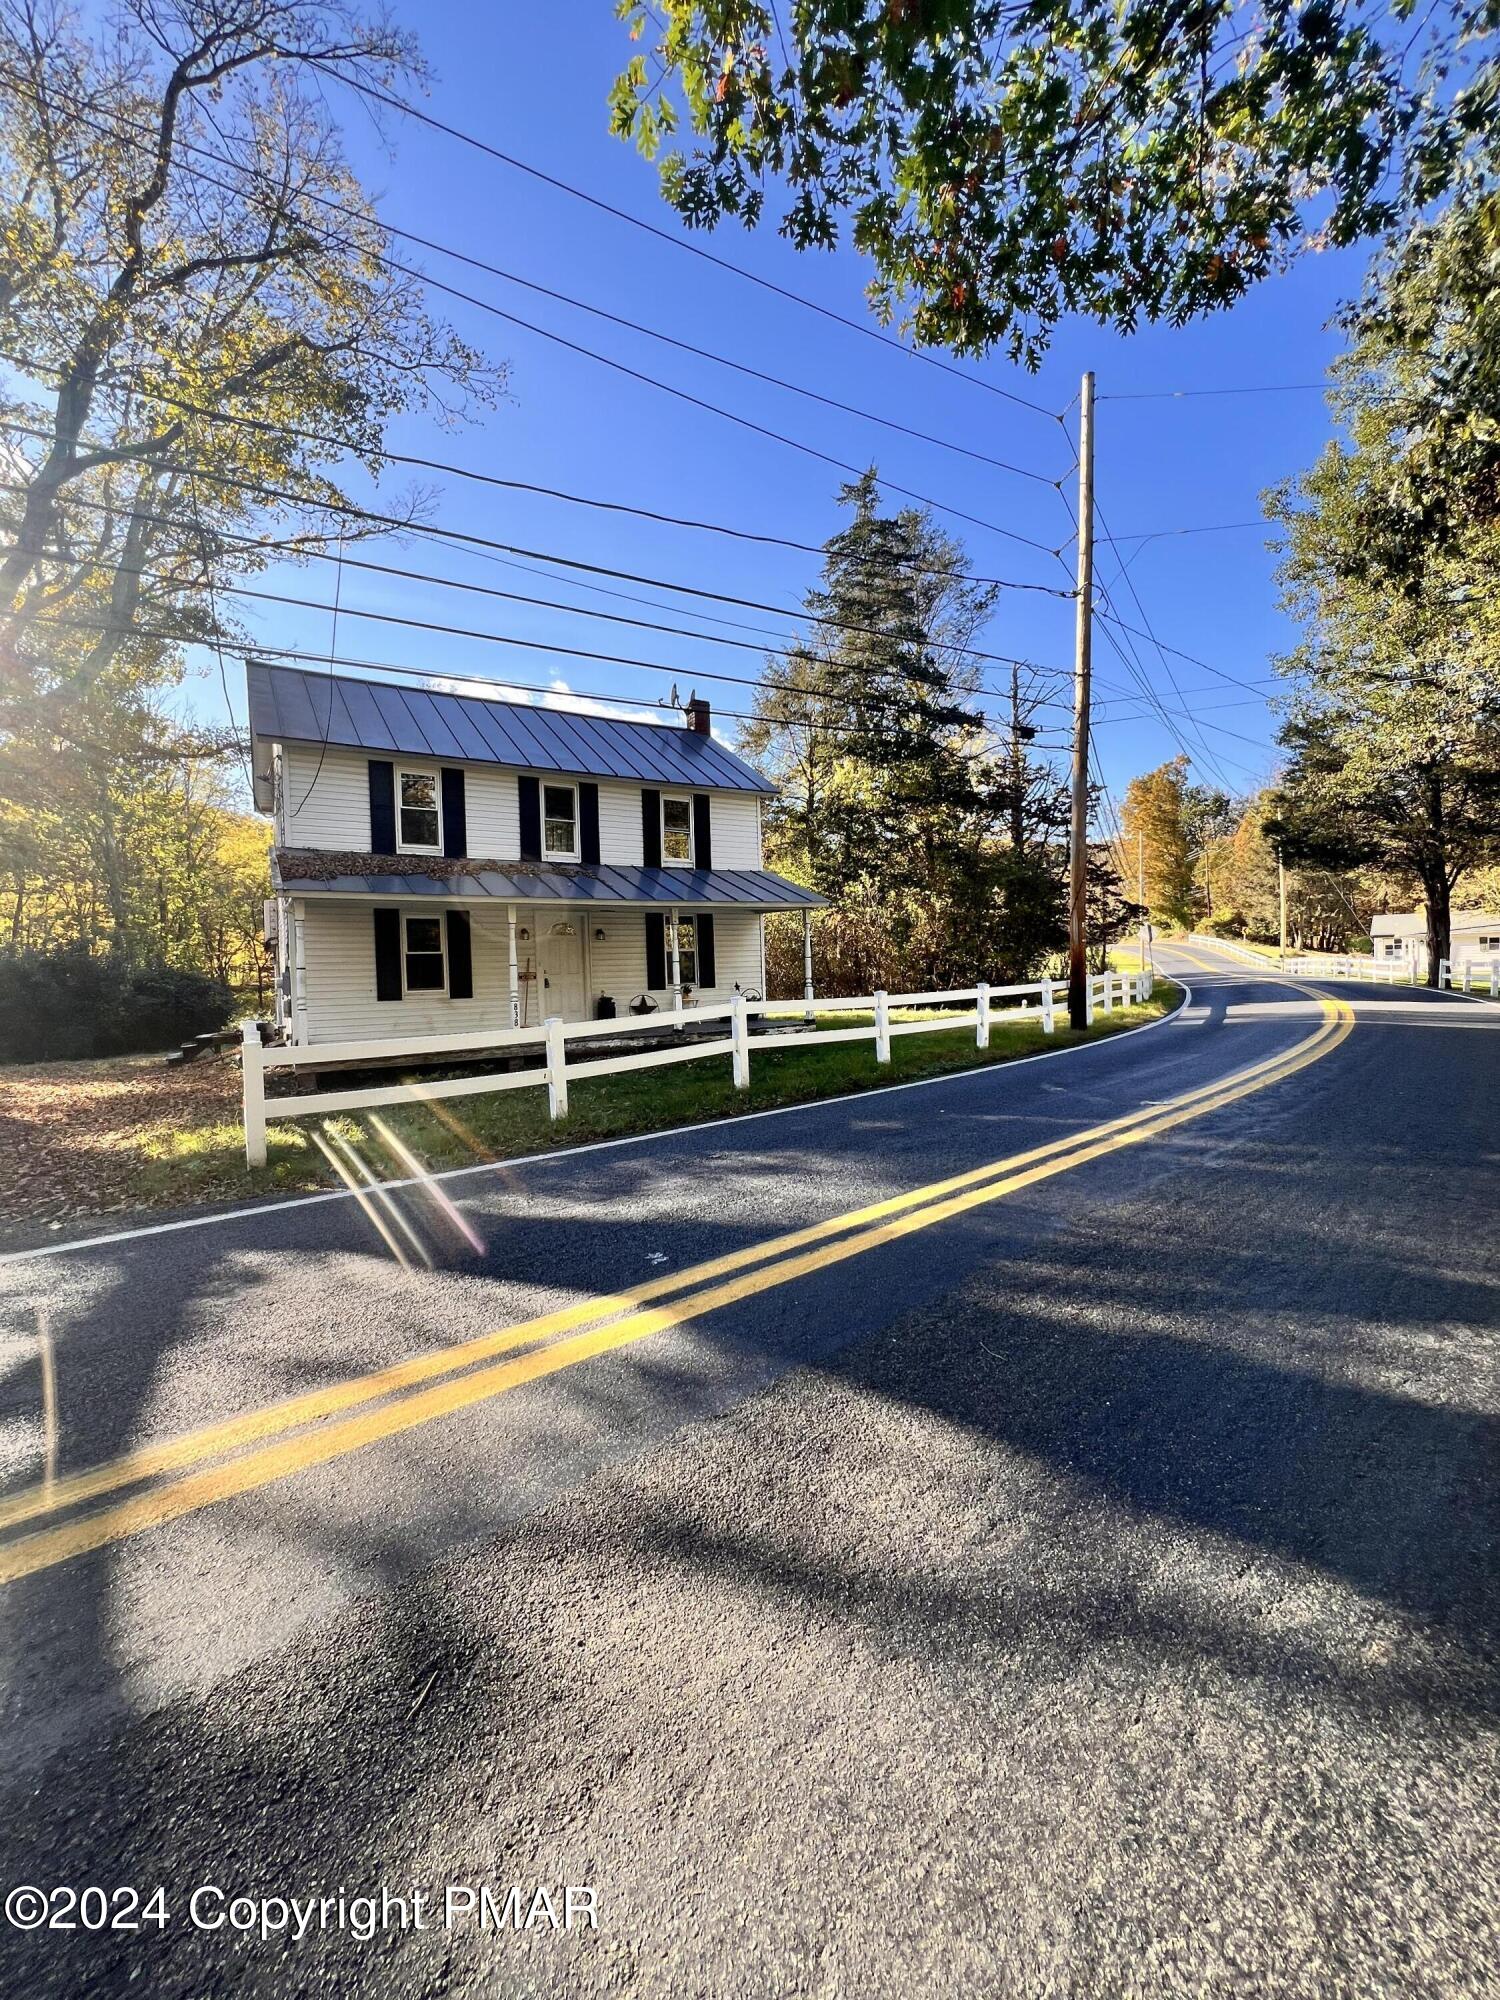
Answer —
(698, 718)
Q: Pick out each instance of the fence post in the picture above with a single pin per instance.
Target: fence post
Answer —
(982, 1017)
(1109, 991)
(1495, 978)
(1463, 976)
(1088, 1000)
(1048, 1022)
(557, 1075)
(882, 1027)
(253, 1085)
(739, 1035)
(1445, 977)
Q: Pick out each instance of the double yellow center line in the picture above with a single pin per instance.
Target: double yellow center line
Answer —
(186, 1473)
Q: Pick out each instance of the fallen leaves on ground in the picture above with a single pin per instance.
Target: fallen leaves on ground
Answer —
(75, 1136)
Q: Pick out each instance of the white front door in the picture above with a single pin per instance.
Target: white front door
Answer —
(559, 964)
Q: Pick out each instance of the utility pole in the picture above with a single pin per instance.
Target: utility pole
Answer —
(1078, 872)
(1021, 733)
(1281, 898)
(1140, 897)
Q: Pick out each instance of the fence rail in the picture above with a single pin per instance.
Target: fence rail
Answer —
(1235, 950)
(1378, 971)
(1466, 979)
(961, 1005)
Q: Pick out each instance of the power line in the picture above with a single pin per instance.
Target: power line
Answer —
(450, 632)
(423, 576)
(652, 381)
(429, 674)
(1162, 534)
(680, 243)
(1129, 581)
(1235, 389)
(341, 559)
(494, 479)
(1177, 652)
(1165, 718)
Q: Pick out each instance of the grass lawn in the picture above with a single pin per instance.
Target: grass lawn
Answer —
(90, 1139)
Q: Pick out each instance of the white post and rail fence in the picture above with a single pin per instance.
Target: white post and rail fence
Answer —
(551, 1038)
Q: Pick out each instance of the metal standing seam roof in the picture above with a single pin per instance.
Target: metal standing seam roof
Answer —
(288, 705)
(749, 888)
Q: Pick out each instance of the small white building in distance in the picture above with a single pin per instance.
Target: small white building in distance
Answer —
(1474, 938)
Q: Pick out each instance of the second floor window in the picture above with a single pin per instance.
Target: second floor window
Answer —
(677, 831)
(560, 821)
(420, 827)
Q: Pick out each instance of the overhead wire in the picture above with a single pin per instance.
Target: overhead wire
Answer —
(557, 694)
(757, 536)
(418, 116)
(823, 619)
(638, 375)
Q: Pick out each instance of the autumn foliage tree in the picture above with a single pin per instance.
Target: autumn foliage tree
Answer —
(203, 325)
(1001, 166)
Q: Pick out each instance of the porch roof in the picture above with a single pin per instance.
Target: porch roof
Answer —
(742, 888)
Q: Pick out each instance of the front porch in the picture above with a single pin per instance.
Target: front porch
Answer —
(361, 968)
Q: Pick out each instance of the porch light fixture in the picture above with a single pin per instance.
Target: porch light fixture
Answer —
(599, 935)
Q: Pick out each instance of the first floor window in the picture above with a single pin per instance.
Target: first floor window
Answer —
(424, 955)
(677, 830)
(420, 829)
(560, 821)
(1489, 944)
(687, 952)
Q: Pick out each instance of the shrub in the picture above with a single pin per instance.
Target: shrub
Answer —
(56, 1005)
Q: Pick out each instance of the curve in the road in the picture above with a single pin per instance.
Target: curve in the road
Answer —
(558, 1340)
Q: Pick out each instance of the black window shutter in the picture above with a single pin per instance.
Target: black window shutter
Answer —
(455, 818)
(460, 957)
(382, 809)
(703, 927)
(656, 951)
(387, 952)
(703, 835)
(588, 824)
(651, 829)
(531, 818)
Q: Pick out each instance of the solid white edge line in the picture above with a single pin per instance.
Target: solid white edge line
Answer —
(249, 1210)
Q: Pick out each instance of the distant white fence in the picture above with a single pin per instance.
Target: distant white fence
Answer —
(1240, 951)
(1469, 973)
(1378, 971)
(1104, 991)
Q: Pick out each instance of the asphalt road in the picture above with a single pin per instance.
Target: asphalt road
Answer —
(1079, 1580)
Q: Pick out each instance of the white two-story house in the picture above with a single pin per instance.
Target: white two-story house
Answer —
(443, 862)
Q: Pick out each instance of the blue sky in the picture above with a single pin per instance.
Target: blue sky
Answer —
(533, 81)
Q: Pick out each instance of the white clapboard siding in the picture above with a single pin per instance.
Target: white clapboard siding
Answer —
(736, 831)
(341, 1003)
(620, 826)
(736, 959)
(617, 963)
(330, 808)
(340, 960)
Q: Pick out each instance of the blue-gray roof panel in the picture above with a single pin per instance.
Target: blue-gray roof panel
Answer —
(288, 704)
(745, 888)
